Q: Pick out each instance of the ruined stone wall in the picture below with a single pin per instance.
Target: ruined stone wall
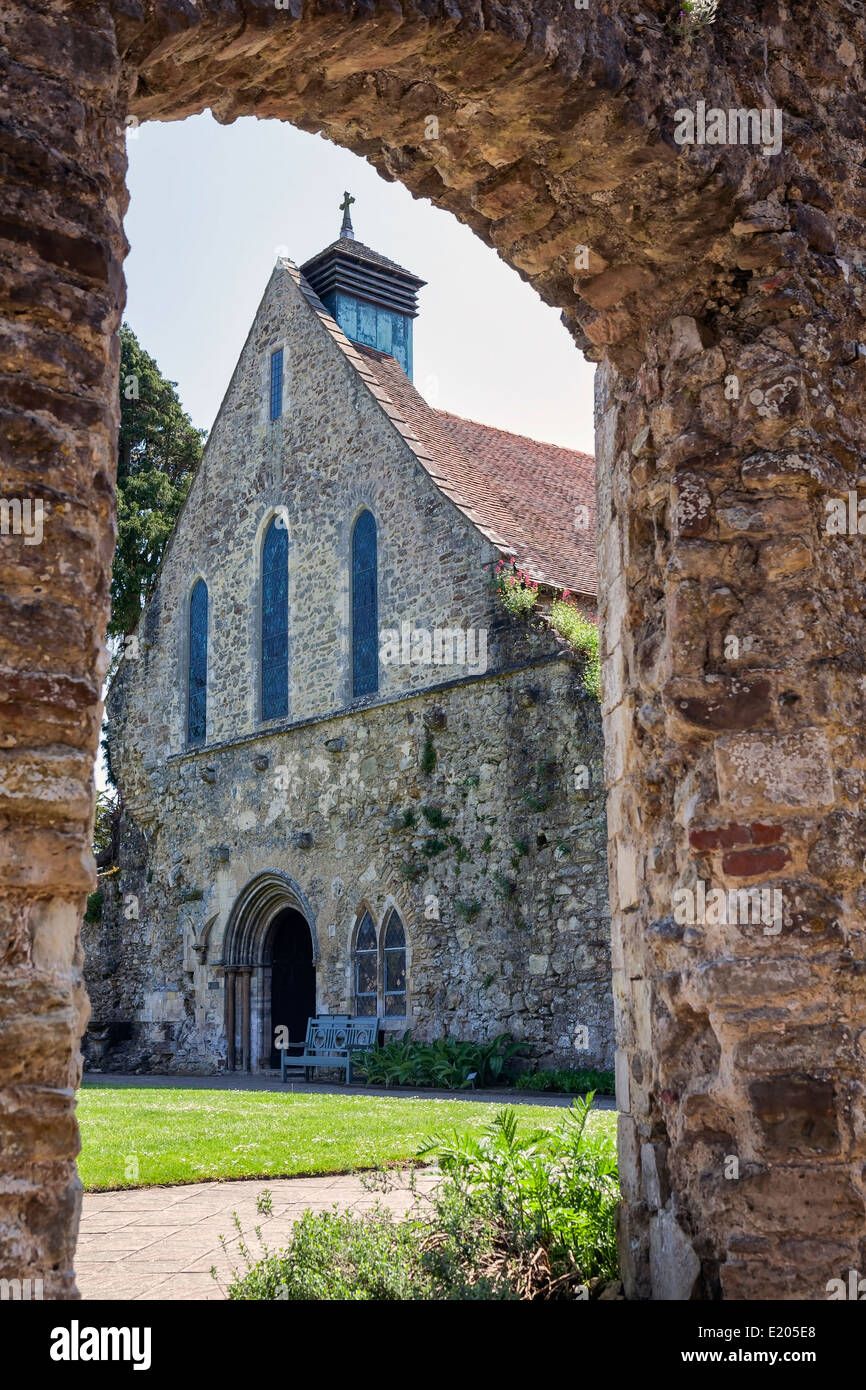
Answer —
(504, 902)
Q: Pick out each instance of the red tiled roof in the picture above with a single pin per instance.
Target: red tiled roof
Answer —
(523, 495)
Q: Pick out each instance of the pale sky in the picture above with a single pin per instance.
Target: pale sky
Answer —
(209, 207)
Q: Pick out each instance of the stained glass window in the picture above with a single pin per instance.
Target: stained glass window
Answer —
(276, 384)
(365, 607)
(366, 958)
(275, 621)
(395, 968)
(197, 703)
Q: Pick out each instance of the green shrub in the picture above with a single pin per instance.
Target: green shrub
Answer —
(517, 592)
(335, 1255)
(567, 1080)
(93, 911)
(555, 1191)
(582, 633)
(428, 756)
(435, 817)
(446, 1063)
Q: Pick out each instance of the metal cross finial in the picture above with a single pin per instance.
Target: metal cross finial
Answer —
(347, 229)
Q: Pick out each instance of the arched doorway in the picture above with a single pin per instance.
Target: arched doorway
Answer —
(292, 978)
(269, 957)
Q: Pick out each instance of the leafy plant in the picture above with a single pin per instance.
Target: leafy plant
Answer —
(582, 633)
(694, 17)
(411, 871)
(503, 887)
(158, 452)
(428, 756)
(433, 846)
(447, 1062)
(552, 1191)
(468, 911)
(567, 1080)
(435, 817)
(93, 911)
(517, 592)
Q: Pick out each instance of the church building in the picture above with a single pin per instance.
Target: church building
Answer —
(352, 781)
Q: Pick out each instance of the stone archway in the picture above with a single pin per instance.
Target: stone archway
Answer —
(270, 905)
(722, 289)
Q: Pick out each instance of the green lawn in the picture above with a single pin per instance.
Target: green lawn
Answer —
(192, 1135)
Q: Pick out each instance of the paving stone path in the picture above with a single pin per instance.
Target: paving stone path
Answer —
(160, 1242)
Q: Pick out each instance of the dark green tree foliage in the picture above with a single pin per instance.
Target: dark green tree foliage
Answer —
(158, 451)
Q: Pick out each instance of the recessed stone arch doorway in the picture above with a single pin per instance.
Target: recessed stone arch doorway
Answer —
(721, 287)
(269, 962)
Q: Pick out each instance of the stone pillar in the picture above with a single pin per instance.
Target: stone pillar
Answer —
(734, 631)
(245, 973)
(230, 1019)
(61, 290)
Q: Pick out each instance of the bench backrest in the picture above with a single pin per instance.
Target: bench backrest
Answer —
(340, 1033)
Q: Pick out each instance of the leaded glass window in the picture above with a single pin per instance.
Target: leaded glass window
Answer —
(365, 607)
(395, 968)
(276, 384)
(197, 675)
(275, 621)
(366, 961)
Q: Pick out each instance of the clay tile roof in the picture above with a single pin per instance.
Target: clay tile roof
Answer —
(521, 494)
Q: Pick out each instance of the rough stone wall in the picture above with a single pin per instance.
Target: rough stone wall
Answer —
(556, 130)
(61, 292)
(504, 903)
(733, 698)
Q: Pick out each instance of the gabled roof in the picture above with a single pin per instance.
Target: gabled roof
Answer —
(521, 494)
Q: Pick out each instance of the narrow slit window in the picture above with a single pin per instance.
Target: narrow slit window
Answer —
(275, 621)
(276, 384)
(365, 607)
(197, 673)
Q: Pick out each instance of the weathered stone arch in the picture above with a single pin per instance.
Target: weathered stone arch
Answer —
(706, 269)
(253, 910)
(245, 961)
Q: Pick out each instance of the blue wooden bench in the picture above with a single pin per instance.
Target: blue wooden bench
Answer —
(330, 1042)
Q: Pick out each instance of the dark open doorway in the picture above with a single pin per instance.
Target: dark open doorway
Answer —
(293, 978)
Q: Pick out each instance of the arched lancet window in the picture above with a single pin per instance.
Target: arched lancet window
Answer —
(275, 621)
(395, 968)
(366, 961)
(365, 607)
(197, 673)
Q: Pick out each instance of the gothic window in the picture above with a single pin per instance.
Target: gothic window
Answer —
(395, 968)
(275, 621)
(366, 971)
(365, 608)
(276, 384)
(197, 674)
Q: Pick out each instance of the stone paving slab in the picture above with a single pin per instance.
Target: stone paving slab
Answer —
(161, 1242)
